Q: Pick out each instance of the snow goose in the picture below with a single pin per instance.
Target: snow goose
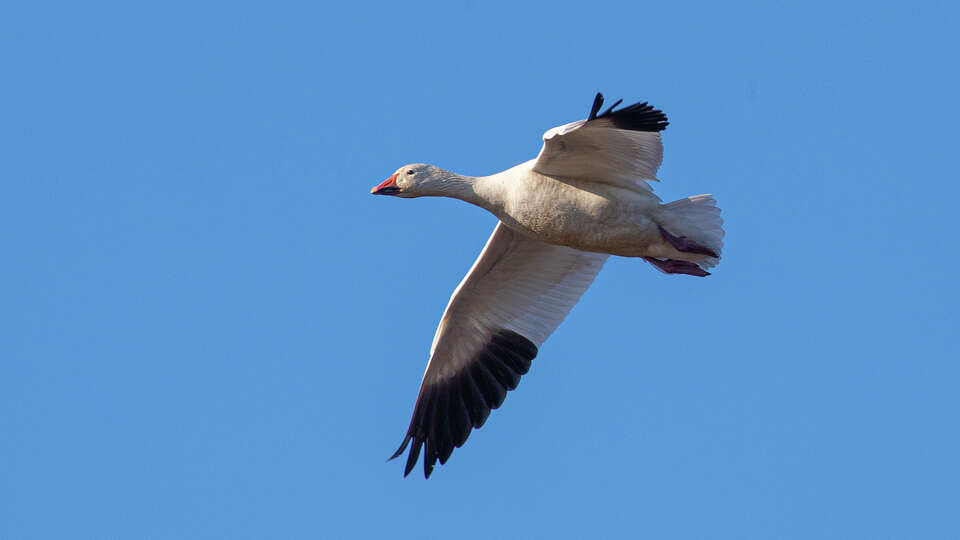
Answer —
(583, 198)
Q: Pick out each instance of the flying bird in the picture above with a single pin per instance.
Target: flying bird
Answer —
(585, 197)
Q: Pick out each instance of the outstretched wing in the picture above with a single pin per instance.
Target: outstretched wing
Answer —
(619, 147)
(515, 295)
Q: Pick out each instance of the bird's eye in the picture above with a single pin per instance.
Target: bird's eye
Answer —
(409, 171)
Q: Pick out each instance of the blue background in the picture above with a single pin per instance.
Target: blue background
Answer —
(212, 330)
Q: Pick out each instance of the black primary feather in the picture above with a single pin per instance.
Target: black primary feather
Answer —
(636, 117)
(597, 103)
(446, 411)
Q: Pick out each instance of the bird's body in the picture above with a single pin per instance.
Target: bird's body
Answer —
(576, 213)
(585, 197)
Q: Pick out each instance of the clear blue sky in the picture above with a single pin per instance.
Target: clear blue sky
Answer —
(212, 330)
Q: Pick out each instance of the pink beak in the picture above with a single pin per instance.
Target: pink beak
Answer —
(387, 187)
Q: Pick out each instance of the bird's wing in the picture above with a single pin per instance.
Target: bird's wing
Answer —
(620, 147)
(515, 295)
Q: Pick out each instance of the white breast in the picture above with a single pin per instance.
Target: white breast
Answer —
(577, 213)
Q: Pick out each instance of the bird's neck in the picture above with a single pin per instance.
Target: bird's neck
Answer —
(471, 189)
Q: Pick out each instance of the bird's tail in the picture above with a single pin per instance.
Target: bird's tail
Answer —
(693, 226)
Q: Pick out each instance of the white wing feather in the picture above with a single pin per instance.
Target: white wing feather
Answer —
(515, 295)
(621, 147)
(516, 284)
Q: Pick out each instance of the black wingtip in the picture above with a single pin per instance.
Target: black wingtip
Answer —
(412, 458)
(597, 103)
(610, 108)
(446, 411)
(637, 117)
(403, 446)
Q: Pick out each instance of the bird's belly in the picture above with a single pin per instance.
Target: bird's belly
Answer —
(587, 220)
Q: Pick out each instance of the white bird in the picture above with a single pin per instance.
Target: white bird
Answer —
(583, 198)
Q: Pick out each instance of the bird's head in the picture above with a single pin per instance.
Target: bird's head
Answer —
(414, 180)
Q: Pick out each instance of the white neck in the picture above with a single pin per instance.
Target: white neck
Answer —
(480, 191)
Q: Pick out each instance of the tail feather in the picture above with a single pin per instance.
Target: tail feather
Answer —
(696, 220)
